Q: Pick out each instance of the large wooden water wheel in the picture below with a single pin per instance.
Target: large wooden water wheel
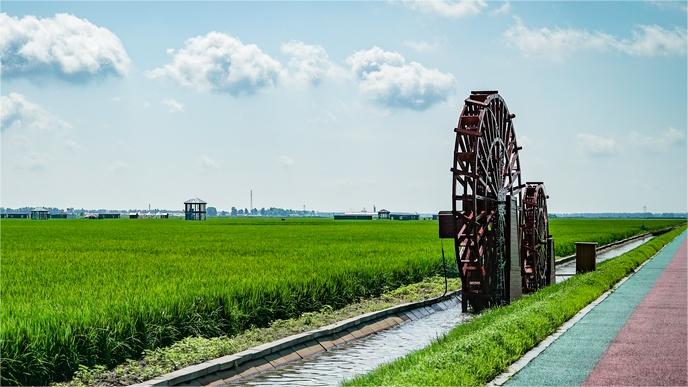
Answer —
(486, 171)
(534, 238)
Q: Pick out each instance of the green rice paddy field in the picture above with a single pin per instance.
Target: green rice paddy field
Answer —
(101, 291)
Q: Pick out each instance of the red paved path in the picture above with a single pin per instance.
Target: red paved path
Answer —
(651, 349)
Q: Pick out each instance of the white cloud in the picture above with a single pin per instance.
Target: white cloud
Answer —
(172, 105)
(206, 162)
(286, 161)
(326, 118)
(660, 142)
(595, 145)
(117, 166)
(63, 45)
(421, 46)
(372, 60)
(72, 145)
(655, 41)
(220, 63)
(503, 9)
(16, 112)
(555, 43)
(560, 43)
(679, 6)
(389, 80)
(32, 161)
(309, 63)
(447, 8)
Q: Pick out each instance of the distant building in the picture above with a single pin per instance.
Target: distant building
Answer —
(58, 216)
(403, 216)
(108, 216)
(133, 215)
(15, 216)
(383, 214)
(39, 213)
(354, 216)
(156, 215)
(195, 209)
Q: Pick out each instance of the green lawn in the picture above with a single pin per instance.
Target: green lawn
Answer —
(100, 291)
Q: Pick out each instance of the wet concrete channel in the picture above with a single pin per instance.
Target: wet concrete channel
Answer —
(360, 356)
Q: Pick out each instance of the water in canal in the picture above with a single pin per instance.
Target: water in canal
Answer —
(360, 356)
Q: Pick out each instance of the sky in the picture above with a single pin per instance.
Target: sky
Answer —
(336, 106)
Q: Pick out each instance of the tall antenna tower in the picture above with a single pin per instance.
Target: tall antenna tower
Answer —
(251, 201)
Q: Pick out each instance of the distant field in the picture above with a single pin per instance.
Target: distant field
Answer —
(100, 291)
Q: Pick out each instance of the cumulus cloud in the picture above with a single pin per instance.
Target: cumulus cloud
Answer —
(72, 145)
(32, 161)
(422, 46)
(447, 8)
(555, 43)
(679, 6)
(63, 45)
(595, 145)
(503, 9)
(206, 162)
(387, 78)
(560, 43)
(172, 105)
(286, 161)
(655, 41)
(661, 141)
(17, 112)
(117, 166)
(309, 63)
(368, 61)
(325, 118)
(220, 63)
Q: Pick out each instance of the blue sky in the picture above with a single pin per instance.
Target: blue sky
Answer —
(338, 106)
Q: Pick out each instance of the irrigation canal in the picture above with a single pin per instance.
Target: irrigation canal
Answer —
(565, 270)
(361, 356)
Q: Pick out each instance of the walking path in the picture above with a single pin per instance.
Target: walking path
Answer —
(636, 336)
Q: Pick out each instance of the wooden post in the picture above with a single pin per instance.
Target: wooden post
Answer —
(551, 272)
(586, 256)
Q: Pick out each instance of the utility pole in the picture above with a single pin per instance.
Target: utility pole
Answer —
(251, 201)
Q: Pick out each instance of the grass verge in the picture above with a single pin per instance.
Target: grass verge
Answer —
(479, 350)
(194, 350)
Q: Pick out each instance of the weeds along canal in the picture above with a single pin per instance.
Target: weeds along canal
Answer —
(361, 356)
